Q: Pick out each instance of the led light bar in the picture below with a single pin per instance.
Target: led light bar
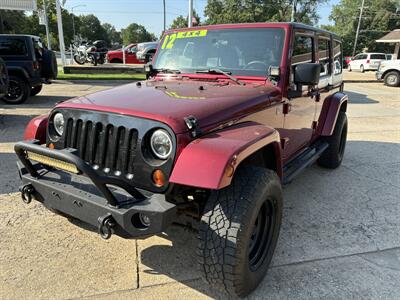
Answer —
(52, 162)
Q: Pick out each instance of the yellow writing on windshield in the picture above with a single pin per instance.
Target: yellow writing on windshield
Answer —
(169, 39)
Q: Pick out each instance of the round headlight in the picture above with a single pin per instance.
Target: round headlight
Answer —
(161, 144)
(58, 122)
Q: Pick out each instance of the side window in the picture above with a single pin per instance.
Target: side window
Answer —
(37, 44)
(324, 56)
(338, 57)
(303, 50)
(13, 47)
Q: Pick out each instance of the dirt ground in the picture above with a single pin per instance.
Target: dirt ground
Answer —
(340, 239)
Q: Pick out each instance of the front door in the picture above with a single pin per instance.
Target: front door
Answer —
(131, 55)
(299, 110)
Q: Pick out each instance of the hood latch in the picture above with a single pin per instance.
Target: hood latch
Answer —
(193, 126)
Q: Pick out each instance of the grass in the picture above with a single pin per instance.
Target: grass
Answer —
(62, 76)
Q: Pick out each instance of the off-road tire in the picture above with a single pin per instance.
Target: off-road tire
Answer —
(392, 79)
(18, 90)
(227, 227)
(36, 90)
(333, 155)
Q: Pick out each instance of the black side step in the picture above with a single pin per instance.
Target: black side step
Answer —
(303, 160)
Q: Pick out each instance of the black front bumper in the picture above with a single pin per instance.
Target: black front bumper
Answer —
(91, 198)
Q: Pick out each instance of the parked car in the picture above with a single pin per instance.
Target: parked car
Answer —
(389, 72)
(29, 63)
(366, 62)
(347, 60)
(116, 56)
(229, 114)
(4, 80)
(146, 51)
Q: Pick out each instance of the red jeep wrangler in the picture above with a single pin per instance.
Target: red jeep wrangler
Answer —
(228, 115)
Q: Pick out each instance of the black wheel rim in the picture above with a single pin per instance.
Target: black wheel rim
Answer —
(14, 92)
(261, 236)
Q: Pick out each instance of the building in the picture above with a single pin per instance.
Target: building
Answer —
(392, 37)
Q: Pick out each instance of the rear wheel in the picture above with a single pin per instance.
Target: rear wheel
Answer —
(392, 78)
(239, 231)
(18, 90)
(36, 90)
(333, 155)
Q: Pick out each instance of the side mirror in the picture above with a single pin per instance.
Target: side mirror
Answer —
(307, 74)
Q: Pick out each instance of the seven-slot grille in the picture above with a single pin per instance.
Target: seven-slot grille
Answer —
(106, 147)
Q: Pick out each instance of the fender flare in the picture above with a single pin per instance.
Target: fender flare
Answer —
(36, 129)
(17, 71)
(210, 161)
(332, 106)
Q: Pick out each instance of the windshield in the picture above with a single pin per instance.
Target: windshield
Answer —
(245, 51)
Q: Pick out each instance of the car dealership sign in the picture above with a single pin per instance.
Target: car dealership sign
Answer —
(18, 4)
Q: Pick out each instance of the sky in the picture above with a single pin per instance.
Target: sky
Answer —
(149, 13)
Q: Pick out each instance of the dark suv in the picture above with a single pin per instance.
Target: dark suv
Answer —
(29, 64)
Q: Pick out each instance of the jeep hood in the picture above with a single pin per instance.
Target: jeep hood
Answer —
(211, 103)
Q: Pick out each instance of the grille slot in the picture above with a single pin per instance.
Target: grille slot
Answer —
(108, 147)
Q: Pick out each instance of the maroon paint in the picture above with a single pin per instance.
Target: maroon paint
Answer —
(36, 129)
(204, 161)
(335, 102)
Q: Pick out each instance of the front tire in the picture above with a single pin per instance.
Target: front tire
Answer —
(333, 155)
(392, 79)
(239, 231)
(362, 70)
(18, 90)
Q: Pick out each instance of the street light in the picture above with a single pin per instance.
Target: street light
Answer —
(73, 21)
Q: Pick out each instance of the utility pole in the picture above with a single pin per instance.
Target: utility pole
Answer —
(60, 32)
(358, 27)
(73, 18)
(190, 19)
(47, 25)
(165, 17)
(294, 3)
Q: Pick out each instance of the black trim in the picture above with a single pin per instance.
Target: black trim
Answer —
(73, 195)
(141, 165)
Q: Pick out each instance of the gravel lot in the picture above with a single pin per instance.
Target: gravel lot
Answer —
(339, 240)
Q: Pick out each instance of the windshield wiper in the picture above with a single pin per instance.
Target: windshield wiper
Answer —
(166, 70)
(219, 71)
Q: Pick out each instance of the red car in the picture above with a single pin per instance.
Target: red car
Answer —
(115, 56)
(229, 114)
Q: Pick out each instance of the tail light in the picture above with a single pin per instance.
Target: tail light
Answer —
(36, 65)
(368, 61)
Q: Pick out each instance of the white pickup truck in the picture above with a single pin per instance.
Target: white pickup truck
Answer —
(389, 72)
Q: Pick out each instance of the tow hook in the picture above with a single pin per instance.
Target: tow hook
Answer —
(27, 193)
(106, 224)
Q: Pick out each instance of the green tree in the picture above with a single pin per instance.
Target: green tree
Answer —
(182, 22)
(233, 11)
(91, 29)
(379, 17)
(136, 33)
(113, 35)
